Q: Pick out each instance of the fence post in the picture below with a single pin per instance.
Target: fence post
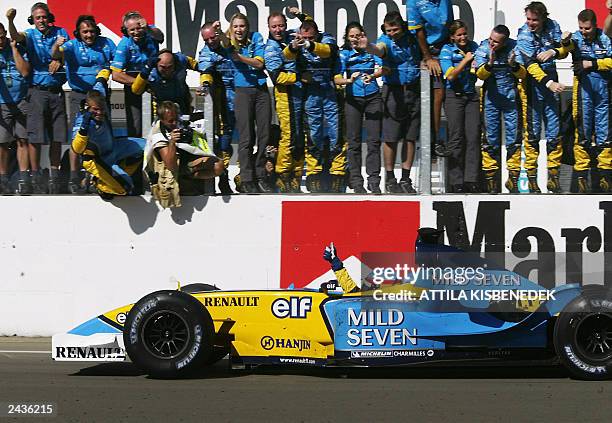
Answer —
(146, 114)
(425, 135)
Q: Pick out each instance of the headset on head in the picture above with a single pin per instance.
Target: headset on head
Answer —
(43, 6)
(90, 20)
(127, 17)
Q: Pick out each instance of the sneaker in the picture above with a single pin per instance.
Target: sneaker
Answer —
(532, 177)
(38, 185)
(553, 185)
(105, 195)
(75, 187)
(313, 184)
(265, 187)
(374, 188)
(359, 189)
(296, 185)
(24, 187)
(392, 187)
(583, 185)
(440, 150)
(406, 186)
(5, 188)
(238, 183)
(283, 183)
(512, 182)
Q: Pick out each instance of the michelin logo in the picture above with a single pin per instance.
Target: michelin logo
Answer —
(391, 354)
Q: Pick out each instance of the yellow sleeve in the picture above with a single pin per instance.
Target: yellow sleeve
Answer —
(483, 73)
(536, 71)
(563, 51)
(79, 143)
(286, 78)
(604, 64)
(288, 54)
(116, 69)
(139, 85)
(104, 73)
(206, 78)
(192, 63)
(261, 59)
(449, 71)
(322, 50)
(345, 281)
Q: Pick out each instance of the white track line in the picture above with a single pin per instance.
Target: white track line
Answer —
(24, 352)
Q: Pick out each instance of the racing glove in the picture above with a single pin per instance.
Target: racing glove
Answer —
(331, 255)
(203, 89)
(85, 123)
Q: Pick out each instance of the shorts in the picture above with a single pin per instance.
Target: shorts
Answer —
(46, 115)
(74, 100)
(437, 82)
(401, 112)
(13, 121)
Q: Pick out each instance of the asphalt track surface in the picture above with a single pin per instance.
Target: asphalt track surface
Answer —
(116, 392)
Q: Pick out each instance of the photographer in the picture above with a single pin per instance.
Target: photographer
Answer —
(178, 158)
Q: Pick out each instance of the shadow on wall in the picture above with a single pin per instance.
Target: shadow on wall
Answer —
(142, 211)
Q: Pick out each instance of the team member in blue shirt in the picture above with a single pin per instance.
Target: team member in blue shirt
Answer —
(14, 69)
(140, 41)
(252, 103)
(218, 78)
(498, 67)
(87, 59)
(430, 19)
(45, 97)
(537, 42)
(363, 107)
(401, 97)
(462, 107)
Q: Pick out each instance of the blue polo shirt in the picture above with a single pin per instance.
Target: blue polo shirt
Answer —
(39, 46)
(83, 62)
(13, 86)
(402, 58)
(432, 15)
(245, 75)
(359, 61)
(450, 57)
(131, 56)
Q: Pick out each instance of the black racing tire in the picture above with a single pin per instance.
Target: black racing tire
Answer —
(583, 335)
(168, 334)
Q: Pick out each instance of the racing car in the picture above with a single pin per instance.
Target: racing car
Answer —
(171, 333)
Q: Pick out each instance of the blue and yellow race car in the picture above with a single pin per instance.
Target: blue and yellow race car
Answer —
(420, 320)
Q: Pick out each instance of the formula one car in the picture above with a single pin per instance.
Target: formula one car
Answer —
(169, 334)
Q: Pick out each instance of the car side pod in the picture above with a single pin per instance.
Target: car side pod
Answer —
(583, 334)
(169, 334)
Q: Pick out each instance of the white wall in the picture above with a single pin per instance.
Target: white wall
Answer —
(65, 259)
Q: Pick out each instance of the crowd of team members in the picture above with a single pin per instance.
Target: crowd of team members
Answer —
(325, 98)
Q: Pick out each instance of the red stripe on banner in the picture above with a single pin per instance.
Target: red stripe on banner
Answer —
(110, 14)
(355, 227)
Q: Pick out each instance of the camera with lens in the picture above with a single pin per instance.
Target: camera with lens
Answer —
(184, 125)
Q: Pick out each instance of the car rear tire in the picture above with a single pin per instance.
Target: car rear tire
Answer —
(583, 335)
(168, 334)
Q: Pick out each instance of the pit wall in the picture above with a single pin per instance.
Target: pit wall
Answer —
(65, 259)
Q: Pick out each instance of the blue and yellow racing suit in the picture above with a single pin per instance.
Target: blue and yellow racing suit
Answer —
(218, 72)
(542, 104)
(112, 161)
(320, 105)
(500, 94)
(288, 96)
(591, 102)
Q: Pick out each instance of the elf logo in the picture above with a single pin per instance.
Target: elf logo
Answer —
(294, 307)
